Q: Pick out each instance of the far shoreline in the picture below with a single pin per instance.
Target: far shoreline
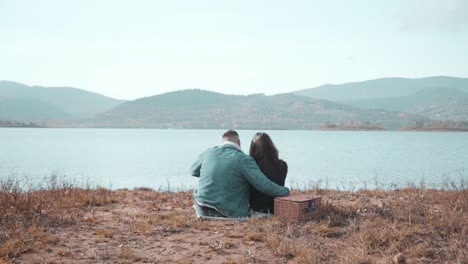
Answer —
(258, 129)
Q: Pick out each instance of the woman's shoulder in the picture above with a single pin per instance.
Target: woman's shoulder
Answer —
(272, 165)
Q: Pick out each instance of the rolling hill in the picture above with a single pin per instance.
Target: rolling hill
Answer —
(432, 97)
(20, 102)
(435, 103)
(382, 88)
(204, 109)
(391, 102)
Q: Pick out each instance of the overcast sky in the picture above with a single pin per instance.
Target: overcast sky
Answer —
(129, 49)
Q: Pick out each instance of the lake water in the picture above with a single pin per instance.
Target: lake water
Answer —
(160, 159)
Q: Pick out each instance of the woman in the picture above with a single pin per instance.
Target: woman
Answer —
(265, 154)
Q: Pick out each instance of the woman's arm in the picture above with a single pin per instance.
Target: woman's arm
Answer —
(259, 181)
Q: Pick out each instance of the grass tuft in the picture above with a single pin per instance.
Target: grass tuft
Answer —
(26, 212)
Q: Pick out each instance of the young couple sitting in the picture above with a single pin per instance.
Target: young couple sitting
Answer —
(234, 184)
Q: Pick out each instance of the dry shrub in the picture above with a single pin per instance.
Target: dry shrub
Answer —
(239, 260)
(229, 244)
(26, 212)
(64, 253)
(105, 232)
(172, 222)
(163, 200)
(379, 234)
(428, 225)
(330, 232)
(292, 241)
(128, 254)
(254, 236)
(354, 256)
(179, 220)
(143, 227)
(233, 234)
(289, 248)
(29, 240)
(186, 261)
(334, 216)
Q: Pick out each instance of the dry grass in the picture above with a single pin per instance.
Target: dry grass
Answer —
(26, 216)
(427, 226)
(371, 226)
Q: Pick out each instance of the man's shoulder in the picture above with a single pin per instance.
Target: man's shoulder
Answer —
(244, 158)
(232, 151)
(223, 148)
(215, 148)
(239, 154)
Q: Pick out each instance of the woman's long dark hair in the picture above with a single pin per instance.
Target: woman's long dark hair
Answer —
(262, 147)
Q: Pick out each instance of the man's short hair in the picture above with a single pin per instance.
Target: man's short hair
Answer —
(230, 134)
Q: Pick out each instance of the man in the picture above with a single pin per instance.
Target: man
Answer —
(226, 174)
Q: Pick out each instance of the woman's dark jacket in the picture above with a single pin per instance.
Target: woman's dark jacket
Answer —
(275, 172)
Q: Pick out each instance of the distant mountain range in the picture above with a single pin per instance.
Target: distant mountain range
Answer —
(382, 88)
(204, 109)
(391, 102)
(432, 97)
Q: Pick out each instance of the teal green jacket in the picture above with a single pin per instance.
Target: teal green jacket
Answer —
(226, 175)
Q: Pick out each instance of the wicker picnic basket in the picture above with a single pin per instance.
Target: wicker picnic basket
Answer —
(297, 208)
